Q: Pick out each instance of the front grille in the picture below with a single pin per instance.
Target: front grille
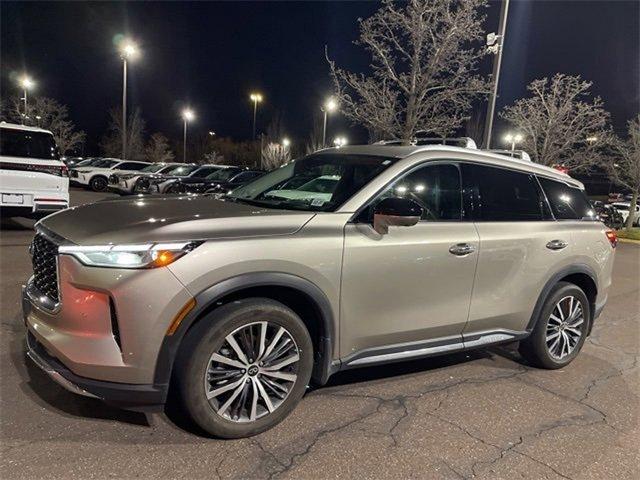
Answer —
(73, 174)
(45, 270)
(113, 179)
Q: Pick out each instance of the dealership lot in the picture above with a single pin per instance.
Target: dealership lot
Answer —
(481, 414)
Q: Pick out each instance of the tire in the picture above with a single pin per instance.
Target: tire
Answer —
(98, 184)
(547, 345)
(198, 373)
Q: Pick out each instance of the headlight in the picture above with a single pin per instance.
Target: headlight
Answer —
(129, 256)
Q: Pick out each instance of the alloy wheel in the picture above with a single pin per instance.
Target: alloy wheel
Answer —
(565, 327)
(253, 372)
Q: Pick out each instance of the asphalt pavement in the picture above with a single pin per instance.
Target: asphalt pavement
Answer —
(483, 414)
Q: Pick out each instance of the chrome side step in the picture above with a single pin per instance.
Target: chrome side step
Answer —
(412, 350)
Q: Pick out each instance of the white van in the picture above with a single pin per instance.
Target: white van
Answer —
(33, 180)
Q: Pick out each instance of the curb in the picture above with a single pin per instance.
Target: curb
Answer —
(627, 240)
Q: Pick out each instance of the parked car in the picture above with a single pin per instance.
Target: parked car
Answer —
(151, 183)
(96, 177)
(608, 214)
(33, 180)
(624, 208)
(72, 161)
(615, 197)
(220, 182)
(235, 305)
(166, 183)
(124, 182)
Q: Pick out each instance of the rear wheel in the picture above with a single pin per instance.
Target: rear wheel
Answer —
(561, 329)
(244, 368)
(98, 184)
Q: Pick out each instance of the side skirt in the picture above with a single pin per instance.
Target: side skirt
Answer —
(429, 348)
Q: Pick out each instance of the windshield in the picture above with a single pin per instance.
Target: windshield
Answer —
(181, 170)
(28, 144)
(223, 174)
(154, 168)
(320, 182)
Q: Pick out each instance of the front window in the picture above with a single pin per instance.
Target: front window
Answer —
(27, 144)
(320, 182)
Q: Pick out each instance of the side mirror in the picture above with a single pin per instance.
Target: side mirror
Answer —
(397, 212)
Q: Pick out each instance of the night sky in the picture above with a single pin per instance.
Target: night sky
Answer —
(211, 55)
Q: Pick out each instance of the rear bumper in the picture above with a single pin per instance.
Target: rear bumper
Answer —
(129, 396)
(35, 204)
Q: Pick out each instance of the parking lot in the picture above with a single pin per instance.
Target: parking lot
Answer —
(482, 414)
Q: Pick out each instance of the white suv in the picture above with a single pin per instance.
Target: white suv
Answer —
(33, 180)
(96, 176)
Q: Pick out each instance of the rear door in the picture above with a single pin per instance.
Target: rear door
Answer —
(520, 247)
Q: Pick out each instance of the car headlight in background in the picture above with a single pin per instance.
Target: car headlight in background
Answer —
(129, 256)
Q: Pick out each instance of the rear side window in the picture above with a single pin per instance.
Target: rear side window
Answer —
(26, 144)
(503, 195)
(567, 203)
(131, 166)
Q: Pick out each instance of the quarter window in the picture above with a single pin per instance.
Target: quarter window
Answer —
(567, 203)
(503, 195)
(436, 188)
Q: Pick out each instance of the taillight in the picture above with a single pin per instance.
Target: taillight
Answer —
(64, 171)
(612, 236)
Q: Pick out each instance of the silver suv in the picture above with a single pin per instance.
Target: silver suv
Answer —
(236, 305)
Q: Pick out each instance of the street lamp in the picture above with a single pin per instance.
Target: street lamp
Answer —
(329, 106)
(592, 139)
(128, 51)
(513, 138)
(255, 98)
(286, 143)
(212, 133)
(340, 141)
(26, 83)
(187, 116)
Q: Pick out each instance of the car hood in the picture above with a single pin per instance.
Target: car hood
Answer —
(161, 218)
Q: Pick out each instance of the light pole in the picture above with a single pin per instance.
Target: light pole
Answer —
(26, 83)
(330, 106)
(187, 116)
(513, 138)
(496, 45)
(255, 98)
(128, 51)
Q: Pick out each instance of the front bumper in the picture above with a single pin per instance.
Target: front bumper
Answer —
(130, 396)
(104, 335)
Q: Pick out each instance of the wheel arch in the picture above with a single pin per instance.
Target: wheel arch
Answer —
(581, 275)
(297, 293)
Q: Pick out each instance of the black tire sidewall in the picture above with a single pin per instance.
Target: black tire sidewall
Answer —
(208, 335)
(536, 345)
(95, 181)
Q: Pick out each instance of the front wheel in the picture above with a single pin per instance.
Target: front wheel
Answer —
(561, 329)
(98, 184)
(243, 368)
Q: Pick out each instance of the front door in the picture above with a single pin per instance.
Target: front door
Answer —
(413, 284)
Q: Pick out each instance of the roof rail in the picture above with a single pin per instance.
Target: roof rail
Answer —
(519, 154)
(464, 142)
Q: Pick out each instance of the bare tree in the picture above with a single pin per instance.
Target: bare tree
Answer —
(275, 155)
(424, 68)
(622, 163)
(111, 143)
(49, 114)
(559, 122)
(157, 150)
(315, 139)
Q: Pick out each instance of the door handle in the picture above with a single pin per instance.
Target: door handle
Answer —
(556, 244)
(462, 249)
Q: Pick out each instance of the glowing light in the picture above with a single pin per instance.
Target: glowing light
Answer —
(128, 50)
(592, 139)
(330, 105)
(26, 82)
(256, 97)
(286, 142)
(340, 141)
(419, 188)
(188, 114)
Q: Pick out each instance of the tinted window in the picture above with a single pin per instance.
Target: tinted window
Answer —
(245, 176)
(436, 188)
(131, 166)
(567, 203)
(503, 195)
(21, 143)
